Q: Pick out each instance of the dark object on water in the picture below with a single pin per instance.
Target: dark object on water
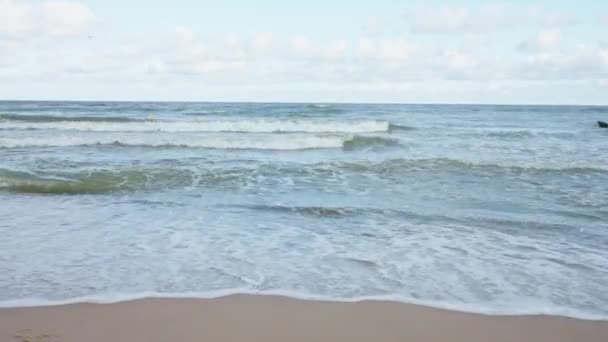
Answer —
(602, 124)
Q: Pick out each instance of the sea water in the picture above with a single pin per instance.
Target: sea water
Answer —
(491, 209)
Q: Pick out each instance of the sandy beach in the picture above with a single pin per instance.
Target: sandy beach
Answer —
(263, 318)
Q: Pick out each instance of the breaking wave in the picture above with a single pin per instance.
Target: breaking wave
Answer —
(56, 119)
(100, 124)
(218, 141)
(99, 181)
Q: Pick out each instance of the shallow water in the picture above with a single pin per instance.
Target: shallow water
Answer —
(495, 209)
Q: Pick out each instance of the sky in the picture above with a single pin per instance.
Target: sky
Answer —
(512, 52)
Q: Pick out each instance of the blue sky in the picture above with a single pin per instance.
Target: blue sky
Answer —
(319, 51)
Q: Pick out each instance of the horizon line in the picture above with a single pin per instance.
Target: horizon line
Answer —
(317, 102)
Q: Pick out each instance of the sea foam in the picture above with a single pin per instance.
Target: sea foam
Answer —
(209, 141)
(243, 126)
(504, 309)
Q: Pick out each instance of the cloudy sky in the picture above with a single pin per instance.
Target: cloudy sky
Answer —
(545, 51)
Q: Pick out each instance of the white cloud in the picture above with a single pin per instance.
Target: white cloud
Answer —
(118, 60)
(460, 61)
(336, 61)
(559, 20)
(366, 47)
(188, 46)
(549, 38)
(16, 17)
(580, 63)
(301, 44)
(336, 49)
(548, 18)
(233, 47)
(387, 49)
(214, 66)
(232, 40)
(262, 43)
(545, 40)
(186, 53)
(64, 17)
(369, 63)
(452, 19)
(303, 49)
(602, 54)
(51, 18)
(444, 19)
(483, 19)
(7, 60)
(7, 53)
(394, 49)
(184, 35)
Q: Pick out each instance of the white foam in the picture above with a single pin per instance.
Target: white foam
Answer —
(252, 126)
(211, 141)
(498, 309)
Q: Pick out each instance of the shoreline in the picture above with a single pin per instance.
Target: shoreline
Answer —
(219, 294)
(278, 318)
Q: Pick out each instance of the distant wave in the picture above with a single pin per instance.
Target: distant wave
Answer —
(217, 141)
(206, 112)
(519, 133)
(243, 126)
(56, 119)
(396, 127)
(325, 108)
(361, 141)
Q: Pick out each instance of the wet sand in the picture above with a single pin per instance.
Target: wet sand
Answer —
(278, 319)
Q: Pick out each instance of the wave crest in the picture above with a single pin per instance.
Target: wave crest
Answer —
(101, 181)
(275, 142)
(218, 126)
(56, 118)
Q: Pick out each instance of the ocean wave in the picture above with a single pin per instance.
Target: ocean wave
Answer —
(241, 126)
(320, 108)
(395, 127)
(219, 141)
(362, 141)
(527, 134)
(393, 165)
(305, 210)
(85, 182)
(408, 215)
(511, 308)
(520, 133)
(98, 181)
(56, 119)
(207, 112)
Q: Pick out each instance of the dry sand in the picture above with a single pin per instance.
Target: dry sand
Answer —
(277, 319)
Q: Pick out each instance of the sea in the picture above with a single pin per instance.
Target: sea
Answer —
(493, 209)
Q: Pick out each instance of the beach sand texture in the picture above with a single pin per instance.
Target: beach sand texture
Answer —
(265, 318)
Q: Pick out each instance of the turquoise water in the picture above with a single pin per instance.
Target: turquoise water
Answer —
(494, 209)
